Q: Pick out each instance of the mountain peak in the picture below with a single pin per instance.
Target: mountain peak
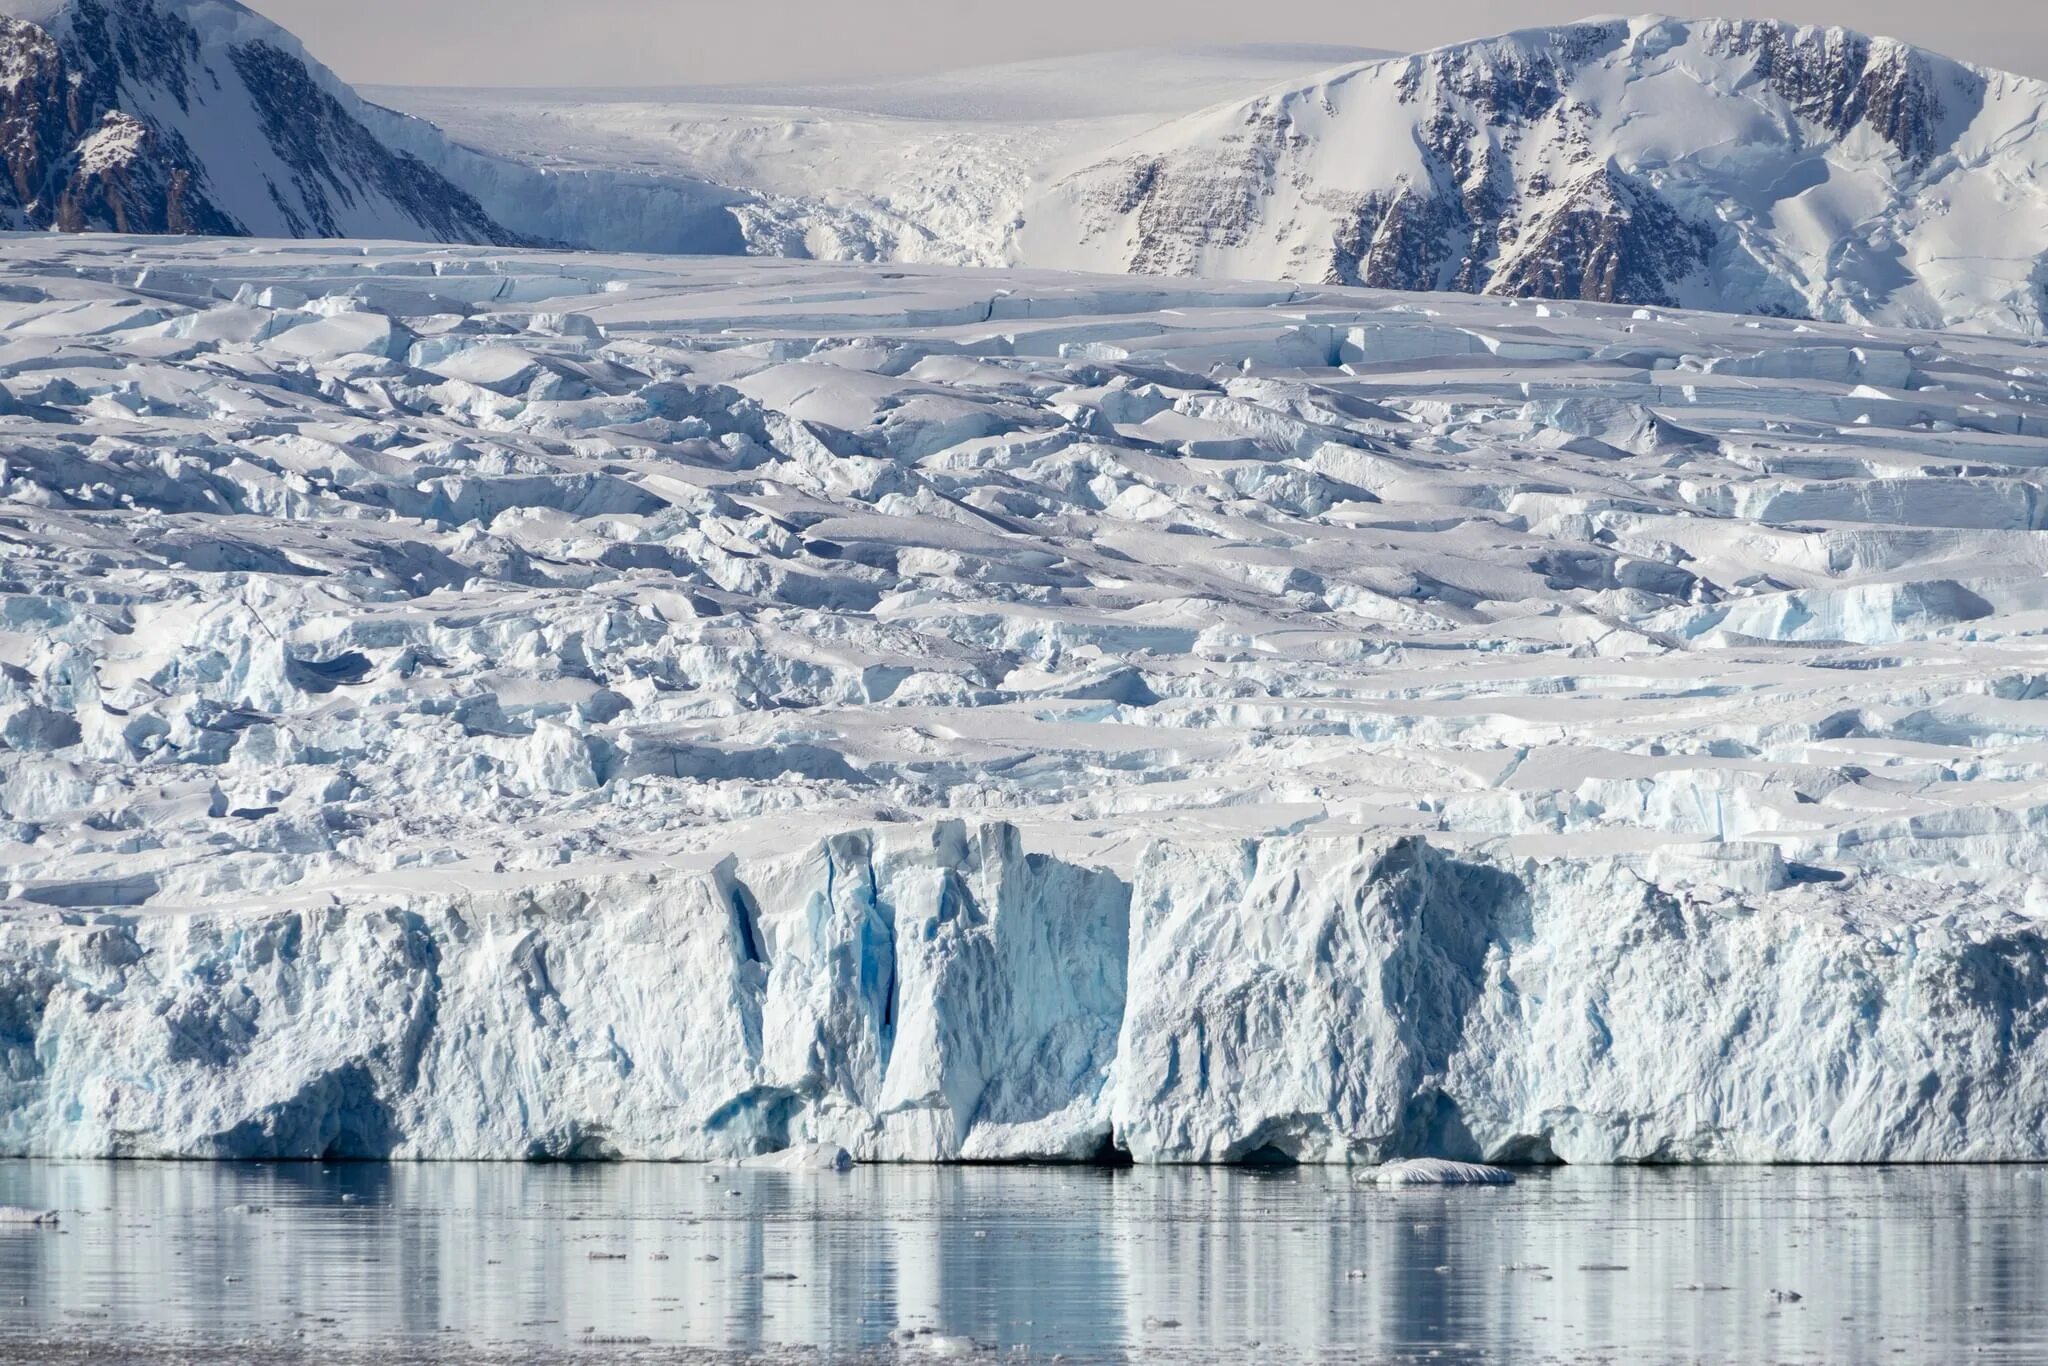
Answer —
(223, 16)
(1651, 35)
(198, 116)
(1743, 164)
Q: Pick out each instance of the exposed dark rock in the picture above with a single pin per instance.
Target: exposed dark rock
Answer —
(98, 108)
(1611, 239)
(1513, 189)
(1842, 81)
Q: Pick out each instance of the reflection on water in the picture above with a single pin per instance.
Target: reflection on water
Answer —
(1907, 1264)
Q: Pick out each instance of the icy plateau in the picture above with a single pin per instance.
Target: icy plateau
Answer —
(462, 702)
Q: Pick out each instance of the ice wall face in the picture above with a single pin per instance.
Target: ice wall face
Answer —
(464, 702)
(945, 996)
(939, 995)
(1296, 1000)
(1326, 1001)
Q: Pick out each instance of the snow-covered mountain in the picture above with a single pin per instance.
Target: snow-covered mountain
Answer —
(1742, 165)
(926, 169)
(199, 116)
(1748, 166)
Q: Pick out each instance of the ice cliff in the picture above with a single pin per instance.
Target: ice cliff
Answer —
(459, 702)
(940, 994)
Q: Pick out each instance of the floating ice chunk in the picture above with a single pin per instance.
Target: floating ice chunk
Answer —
(1433, 1171)
(804, 1157)
(38, 1218)
(944, 1345)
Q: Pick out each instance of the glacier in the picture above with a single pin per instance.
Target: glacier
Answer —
(471, 702)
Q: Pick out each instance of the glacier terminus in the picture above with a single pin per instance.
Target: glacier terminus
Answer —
(477, 701)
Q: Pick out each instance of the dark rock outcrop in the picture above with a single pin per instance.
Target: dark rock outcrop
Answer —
(195, 116)
(1520, 165)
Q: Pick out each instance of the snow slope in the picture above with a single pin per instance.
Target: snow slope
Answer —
(460, 702)
(930, 169)
(200, 116)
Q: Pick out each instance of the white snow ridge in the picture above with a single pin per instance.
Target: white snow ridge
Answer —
(458, 702)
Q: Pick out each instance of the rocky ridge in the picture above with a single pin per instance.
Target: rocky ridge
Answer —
(195, 116)
(1747, 165)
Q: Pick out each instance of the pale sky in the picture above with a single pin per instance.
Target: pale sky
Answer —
(695, 42)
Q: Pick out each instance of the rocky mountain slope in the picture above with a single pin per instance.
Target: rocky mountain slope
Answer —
(459, 702)
(1733, 164)
(200, 116)
(197, 116)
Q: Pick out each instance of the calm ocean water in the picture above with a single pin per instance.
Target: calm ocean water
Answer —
(531, 1263)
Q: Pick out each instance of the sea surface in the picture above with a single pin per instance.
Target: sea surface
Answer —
(518, 1264)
